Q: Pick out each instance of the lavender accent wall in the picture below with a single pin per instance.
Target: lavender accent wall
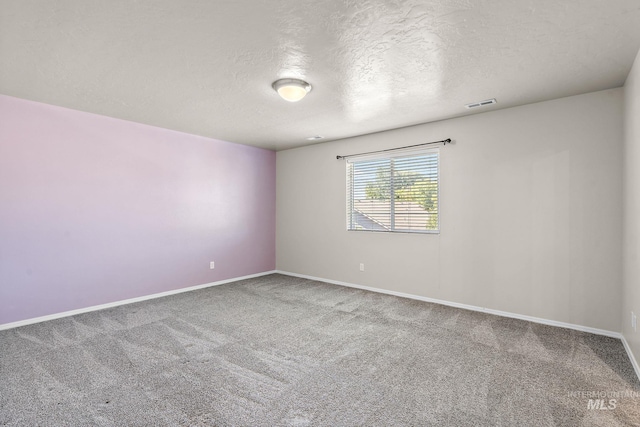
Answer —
(95, 210)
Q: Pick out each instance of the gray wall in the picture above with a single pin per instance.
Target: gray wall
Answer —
(531, 212)
(631, 207)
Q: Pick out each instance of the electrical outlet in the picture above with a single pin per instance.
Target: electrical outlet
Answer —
(361, 267)
(634, 321)
(212, 265)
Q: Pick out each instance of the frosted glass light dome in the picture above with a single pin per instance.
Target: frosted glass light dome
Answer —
(292, 90)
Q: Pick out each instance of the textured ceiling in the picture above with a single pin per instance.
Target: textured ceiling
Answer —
(206, 67)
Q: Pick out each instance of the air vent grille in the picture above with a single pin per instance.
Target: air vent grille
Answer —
(481, 103)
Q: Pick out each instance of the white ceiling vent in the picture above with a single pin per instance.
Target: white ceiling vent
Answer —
(481, 103)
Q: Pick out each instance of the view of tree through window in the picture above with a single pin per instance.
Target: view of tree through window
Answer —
(394, 194)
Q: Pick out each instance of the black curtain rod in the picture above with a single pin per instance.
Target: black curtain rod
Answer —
(443, 142)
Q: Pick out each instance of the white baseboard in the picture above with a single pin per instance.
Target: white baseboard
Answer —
(581, 328)
(340, 283)
(634, 361)
(464, 306)
(127, 301)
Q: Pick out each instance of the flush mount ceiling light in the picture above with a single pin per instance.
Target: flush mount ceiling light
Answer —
(292, 90)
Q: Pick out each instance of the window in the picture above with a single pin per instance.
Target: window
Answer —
(397, 193)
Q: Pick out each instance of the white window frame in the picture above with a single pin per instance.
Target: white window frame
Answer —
(401, 154)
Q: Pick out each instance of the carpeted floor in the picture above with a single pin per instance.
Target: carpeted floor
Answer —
(279, 350)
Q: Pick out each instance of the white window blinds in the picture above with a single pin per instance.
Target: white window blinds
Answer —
(394, 193)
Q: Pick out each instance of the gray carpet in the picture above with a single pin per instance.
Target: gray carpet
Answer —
(279, 350)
